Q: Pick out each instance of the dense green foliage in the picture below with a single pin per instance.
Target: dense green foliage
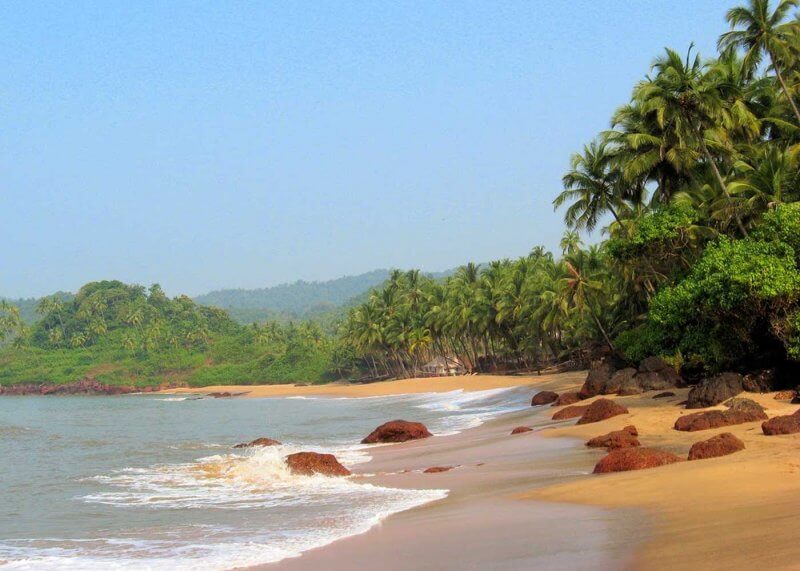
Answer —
(693, 184)
(125, 334)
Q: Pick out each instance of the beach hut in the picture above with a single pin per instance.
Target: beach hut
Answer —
(443, 366)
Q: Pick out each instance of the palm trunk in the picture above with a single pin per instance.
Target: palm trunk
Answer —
(721, 182)
(784, 87)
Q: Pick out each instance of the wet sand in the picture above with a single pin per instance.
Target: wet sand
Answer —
(482, 524)
(530, 500)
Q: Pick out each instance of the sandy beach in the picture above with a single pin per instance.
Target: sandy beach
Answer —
(530, 500)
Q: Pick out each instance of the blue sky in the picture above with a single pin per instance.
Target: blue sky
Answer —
(244, 144)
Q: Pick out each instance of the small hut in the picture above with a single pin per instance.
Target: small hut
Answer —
(443, 366)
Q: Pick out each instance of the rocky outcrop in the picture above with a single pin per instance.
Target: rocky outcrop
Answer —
(86, 386)
(437, 469)
(759, 381)
(787, 424)
(619, 379)
(544, 397)
(717, 419)
(220, 395)
(715, 390)
(573, 411)
(625, 438)
(596, 381)
(311, 463)
(566, 398)
(601, 409)
(258, 442)
(664, 395)
(653, 374)
(625, 459)
(397, 431)
(720, 445)
(521, 430)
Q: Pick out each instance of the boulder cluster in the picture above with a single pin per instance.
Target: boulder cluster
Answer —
(653, 374)
(739, 411)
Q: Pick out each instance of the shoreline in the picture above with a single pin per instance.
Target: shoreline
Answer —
(467, 383)
(482, 523)
(647, 519)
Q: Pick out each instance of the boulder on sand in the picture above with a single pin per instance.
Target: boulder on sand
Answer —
(521, 429)
(397, 431)
(573, 411)
(664, 395)
(258, 442)
(599, 375)
(625, 459)
(788, 424)
(625, 438)
(715, 390)
(629, 387)
(618, 380)
(720, 445)
(760, 381)
(716, 419)
(745, 405)
(601, 409)
(544, 397)
(785, 395)
(310, 463)
(566, 398)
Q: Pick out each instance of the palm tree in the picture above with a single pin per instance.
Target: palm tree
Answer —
(688, 102)
(767, 179)
(764, 33)
(594, 185)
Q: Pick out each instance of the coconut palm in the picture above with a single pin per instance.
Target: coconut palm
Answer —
(763, 32)
(593, 186)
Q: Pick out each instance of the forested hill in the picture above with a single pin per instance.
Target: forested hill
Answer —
(27, 306)
(299, 300)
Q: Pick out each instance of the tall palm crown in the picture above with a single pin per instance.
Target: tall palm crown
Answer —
(763, 32)
(595, 186)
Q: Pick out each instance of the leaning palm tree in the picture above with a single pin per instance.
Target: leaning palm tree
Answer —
(764, 32)
(595, 186)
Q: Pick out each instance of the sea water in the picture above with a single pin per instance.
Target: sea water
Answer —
(152, 481)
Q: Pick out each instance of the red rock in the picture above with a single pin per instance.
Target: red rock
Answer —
(785, 395)
(788, 424)
(544, 397)
(310, 463)
(258, 442)
(716, 419)
(437, 469)
(397, 431)
(624, 459)
(567, 398)
(602, 409)
(521, 429)
(625, 438)
(720, 445)
(573, 411)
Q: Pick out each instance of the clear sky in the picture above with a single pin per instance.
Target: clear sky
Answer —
(244, 144)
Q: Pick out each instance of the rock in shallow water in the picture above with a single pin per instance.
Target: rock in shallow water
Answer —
(544, 397)
(567, 398)
(521, 429)
(397, 431)
(311, 463)
(258, 442)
